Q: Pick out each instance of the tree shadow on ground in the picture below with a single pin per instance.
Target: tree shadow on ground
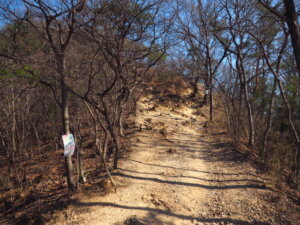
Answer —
(154, 212)
(192, 177)
(192, 170)
(150, 218)
(223, 154)
(210, 187)
(224, 151)
(36, 205)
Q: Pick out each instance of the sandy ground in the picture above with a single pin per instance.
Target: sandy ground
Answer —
(178, 173)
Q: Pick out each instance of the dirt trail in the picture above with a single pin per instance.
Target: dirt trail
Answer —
(177, 173)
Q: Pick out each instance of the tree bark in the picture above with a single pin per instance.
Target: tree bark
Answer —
(102, 158)
(205, 96)
(294, 29)
(250, 115)
(120, 121)
(195, 88)
(65, 117)
(244, 88)
(13, 125)
(116, 158)
(211, 106)
(269, 122)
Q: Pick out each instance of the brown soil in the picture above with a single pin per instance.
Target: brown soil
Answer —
(179, 172)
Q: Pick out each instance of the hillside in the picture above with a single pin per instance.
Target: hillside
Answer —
(179, 171)
(149, 112)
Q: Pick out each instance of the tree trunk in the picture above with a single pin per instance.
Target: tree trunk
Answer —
(294, 29)
(195, 88)
(120, 121)
(80, 171)
(244, 88)
(211, 106)
(116, 159)
(106, 169)
(269, 123)
(113, 134)
(227, 111)
(98, 144)
(105, 144)
(211, 74)
(65, 118)
(296, 163)
(205, 96)
(13, 125)
(250, 118)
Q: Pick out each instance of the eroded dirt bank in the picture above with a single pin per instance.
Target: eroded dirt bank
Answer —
(178, 172)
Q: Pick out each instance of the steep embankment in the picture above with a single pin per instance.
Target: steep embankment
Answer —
(178, 172)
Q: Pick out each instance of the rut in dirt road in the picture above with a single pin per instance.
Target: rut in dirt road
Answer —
(177, 173)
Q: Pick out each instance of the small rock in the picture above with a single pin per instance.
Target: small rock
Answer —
(133, 221)
(171, 150)
(163, 132)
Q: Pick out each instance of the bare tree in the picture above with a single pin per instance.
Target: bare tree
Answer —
(236, 42)
(291, 18)
(126, 40)
(195, 26)
(55, 22)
